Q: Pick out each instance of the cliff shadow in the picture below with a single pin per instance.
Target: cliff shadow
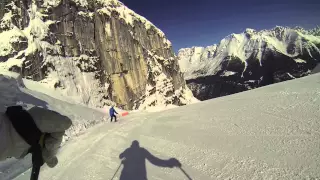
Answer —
(134, 159)
(11, 94)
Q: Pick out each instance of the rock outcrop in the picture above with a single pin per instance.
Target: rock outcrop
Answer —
(96, 51)
(250, 60)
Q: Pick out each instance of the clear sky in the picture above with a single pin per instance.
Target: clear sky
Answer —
(189, 23)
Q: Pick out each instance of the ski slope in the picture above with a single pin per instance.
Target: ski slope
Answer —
(266, 133)
(14, 90)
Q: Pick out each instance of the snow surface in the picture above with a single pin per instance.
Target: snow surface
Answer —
(266, 133)
(200, 61)
(15, 90)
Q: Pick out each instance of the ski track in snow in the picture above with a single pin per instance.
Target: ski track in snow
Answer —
(266, 133)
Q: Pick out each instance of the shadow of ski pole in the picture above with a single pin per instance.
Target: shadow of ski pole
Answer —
(185, 173)
(116, 171)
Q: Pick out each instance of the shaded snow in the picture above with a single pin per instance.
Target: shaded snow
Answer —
(15, 90)
(267, 133)
(298, 60)
(228, 73)
(316, 69)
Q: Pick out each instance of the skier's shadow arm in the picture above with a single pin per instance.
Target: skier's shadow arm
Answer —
(123, 154)
(172, 162)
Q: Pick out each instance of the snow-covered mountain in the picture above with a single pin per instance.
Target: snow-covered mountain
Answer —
(249, 60)
(95, 52)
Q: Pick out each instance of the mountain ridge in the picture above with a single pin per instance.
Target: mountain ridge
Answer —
(250, 59)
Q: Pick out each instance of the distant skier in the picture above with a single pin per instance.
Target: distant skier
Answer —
(113, 113)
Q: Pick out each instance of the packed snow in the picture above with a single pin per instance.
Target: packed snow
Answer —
(267, 133)
(200, 61)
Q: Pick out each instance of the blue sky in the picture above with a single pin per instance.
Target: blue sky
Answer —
(189, 23)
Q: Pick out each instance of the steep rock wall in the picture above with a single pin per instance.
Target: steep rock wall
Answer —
(94, 51)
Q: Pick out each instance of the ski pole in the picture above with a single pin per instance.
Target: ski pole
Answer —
(37, 162)
(184, 172)
(116, 171)
(35, 173)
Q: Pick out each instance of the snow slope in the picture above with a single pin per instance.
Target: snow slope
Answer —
(267, 133)
(300, 45)
(13, 93)
(19, 91)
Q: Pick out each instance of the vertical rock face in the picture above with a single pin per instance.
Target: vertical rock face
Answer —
(94, 51)
(250, 60)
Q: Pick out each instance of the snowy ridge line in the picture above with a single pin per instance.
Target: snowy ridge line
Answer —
(295, 43)
(110, 6)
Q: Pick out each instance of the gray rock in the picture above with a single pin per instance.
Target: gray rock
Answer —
(122, 56)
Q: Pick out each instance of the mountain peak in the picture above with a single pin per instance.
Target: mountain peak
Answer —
(289, 42)
(249, 60)
(250, 31)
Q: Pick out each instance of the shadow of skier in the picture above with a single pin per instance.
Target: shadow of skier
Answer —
(134, 164)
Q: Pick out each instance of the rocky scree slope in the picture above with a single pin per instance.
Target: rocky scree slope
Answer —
(97, 52)
(249, 60)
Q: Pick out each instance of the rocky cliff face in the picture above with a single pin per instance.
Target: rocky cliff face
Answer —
(95, 51)
(250, 60)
